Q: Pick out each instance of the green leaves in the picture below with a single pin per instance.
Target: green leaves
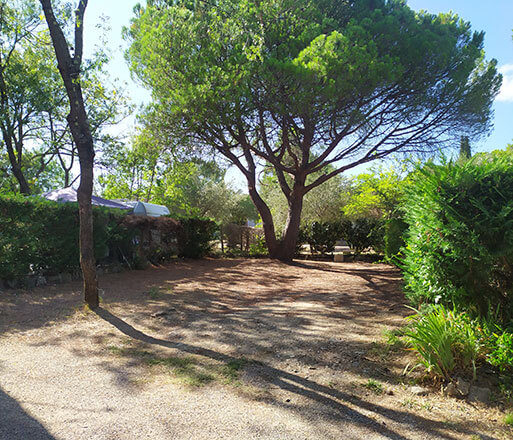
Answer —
(460, 241)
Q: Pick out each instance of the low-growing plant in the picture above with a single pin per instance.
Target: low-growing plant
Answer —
(445, 341)
(374, 386)
(258, 248)
(501, 351)
(508, 419)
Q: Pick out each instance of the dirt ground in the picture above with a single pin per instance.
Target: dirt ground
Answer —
(221, 349)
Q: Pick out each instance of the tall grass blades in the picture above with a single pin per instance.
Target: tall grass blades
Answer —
(445, 341)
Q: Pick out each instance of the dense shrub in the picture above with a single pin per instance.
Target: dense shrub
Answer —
(459, 247)
(501, 351)
(42, 236)
(302, 239)
(395, 229)
(196, 236)
(322, 236)
(259, 247)
(363, 233)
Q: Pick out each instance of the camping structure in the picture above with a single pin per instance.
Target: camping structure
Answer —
(69, 195)
(147, 209)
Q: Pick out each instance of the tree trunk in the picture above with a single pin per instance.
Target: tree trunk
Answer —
(85, 190)
(20, 177)
(286, 249)
(69, 68)
(15, 163)
(267, 221)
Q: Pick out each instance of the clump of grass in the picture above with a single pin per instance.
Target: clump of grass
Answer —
(186, 369)
(153, 292)
(374, 386)
(128, 351)
(508, 419)
(231, 370)
(445, 341)
(410, 403)
(393, 338)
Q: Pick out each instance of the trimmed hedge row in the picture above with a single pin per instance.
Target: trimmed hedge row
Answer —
(459, 247)
(360, 234)
(40, 236)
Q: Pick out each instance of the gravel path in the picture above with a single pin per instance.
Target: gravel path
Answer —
(219, 349)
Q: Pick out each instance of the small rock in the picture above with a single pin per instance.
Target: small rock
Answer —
(159, 314)
(462, 386)
(419, 391)
(451, 390)
(288, 400)
(390, 392)
(478, 394)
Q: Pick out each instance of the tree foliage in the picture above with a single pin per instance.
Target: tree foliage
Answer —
(38, 148)
(150, 172)
(324, 83)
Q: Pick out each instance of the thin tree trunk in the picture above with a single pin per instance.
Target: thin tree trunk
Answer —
(15, 162)
(267, 222)
(69, 68)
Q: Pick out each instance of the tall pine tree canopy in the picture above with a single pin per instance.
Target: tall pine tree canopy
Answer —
(307, 86)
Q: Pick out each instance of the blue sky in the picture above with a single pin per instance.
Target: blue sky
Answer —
(494, 17)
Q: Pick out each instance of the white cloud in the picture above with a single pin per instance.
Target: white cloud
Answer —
(506, 93)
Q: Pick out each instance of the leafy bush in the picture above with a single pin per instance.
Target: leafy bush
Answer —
(459, 247)
(42, 236)
(445, 341)
(501, 351)
(322, 236)
(195, 238)
(394, 236)
(259, 247)
(362, 234)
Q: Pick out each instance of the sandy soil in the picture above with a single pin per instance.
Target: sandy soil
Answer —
(221, 349)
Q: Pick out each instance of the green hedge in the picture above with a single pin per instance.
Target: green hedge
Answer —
(363, 233)
(459, 247)
(395, 230)
(42, 236)
(195, 238)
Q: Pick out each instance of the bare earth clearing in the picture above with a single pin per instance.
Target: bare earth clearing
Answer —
(235, 349)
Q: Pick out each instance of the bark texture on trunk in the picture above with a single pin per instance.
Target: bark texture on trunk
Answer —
(16, 164)
(286, 249)
(283, 249)
(69, 68)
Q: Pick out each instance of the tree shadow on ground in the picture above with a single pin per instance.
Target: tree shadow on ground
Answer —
(16, 424)
(339, 405)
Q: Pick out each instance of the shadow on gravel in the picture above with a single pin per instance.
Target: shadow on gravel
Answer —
(336, 401)
(16, 424)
